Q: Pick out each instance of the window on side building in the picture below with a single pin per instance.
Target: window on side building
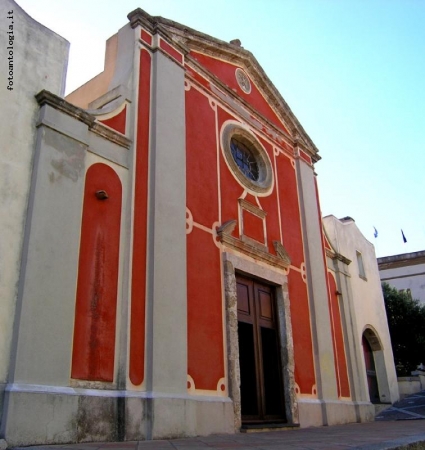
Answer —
(362, 273)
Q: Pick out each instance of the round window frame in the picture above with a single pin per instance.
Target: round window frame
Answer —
(264, 185)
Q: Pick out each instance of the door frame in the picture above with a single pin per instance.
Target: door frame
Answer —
(232, 264)
(375, 343)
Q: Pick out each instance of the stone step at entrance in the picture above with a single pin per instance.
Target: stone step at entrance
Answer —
(267, 426)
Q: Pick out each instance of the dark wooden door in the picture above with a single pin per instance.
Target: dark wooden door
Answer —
(259, 356)
(372, 380)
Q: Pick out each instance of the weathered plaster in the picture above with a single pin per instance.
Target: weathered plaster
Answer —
(39, 61)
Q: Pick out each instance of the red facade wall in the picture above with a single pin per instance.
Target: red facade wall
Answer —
(97, 285)
(205, 311)
(289, 209)
(213, 195)
(202, 195)
(205, 321)
(138, 285)
(301, 333)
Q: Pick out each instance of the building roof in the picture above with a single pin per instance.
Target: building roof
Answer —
(405, 259)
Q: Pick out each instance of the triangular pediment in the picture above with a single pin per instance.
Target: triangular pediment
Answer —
(199, 46)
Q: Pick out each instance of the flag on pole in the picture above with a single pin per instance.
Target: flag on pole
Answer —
(404, 237)
(375, 232)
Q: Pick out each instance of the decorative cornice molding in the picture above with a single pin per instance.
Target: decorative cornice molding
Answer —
(47, 98)
(140, 17)
(338, 256)
(225, 237)
(252, 208)
(153, 24)
(110, 135)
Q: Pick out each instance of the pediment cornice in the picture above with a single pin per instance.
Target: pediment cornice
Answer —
(192, 40)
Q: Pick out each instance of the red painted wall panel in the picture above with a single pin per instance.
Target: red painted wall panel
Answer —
(96, 301)
(138, 286)
(270, 205)
(231, 190)
(301, 332)
(253, 226)
(171, 51)
(289, 209)
(205, 316)
(201, 159)
(146, 37)
(117, 122)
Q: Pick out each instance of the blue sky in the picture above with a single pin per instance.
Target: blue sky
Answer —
(353, 72)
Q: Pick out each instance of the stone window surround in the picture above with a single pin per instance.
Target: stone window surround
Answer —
(264, 185)
(232, 264)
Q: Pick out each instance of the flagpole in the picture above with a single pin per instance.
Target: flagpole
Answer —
(375, 244)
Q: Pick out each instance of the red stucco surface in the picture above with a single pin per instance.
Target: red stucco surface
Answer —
(138, 285)
(96, 302)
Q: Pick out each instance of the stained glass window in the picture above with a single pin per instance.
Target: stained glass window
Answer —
(245, 159)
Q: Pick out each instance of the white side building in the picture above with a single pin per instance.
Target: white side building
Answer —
(361, 301)
(33, 58)
(405, 272)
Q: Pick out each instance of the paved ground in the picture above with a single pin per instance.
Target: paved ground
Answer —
(412, 407)
(400, 427)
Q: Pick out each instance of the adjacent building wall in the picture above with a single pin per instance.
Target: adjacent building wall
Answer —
(33, 58)
(362, 305)
(405, 272)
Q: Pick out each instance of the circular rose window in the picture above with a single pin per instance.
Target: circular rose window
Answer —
(247, 159)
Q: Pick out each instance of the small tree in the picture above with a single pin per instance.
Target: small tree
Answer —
(406, 321)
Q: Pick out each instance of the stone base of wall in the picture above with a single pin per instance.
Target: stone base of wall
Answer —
(410, 385)
(82, 415)
(314, 413)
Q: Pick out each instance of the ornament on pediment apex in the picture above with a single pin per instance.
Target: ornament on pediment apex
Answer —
(236, 42)
(243, 80)
(281, 252)
(227, 228)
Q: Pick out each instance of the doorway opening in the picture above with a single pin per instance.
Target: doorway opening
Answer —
(262, 390)
(372, 380)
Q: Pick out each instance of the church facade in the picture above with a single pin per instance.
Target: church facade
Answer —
(175, 278)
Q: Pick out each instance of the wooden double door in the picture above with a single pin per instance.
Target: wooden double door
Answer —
(262, 397)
